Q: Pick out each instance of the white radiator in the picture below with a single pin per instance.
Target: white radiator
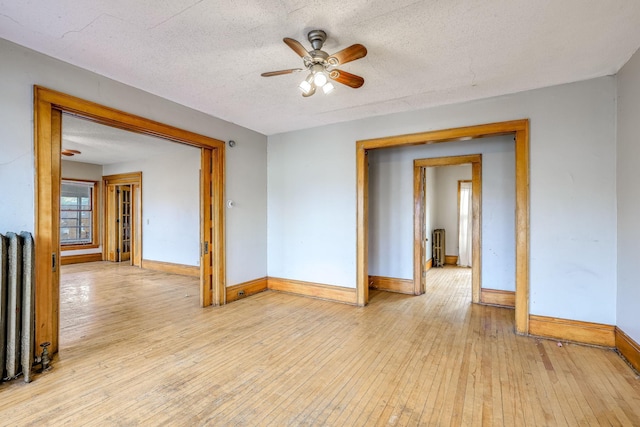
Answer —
(17, 326)
(438, 247)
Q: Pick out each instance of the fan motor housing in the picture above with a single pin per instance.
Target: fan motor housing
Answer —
(317, 38)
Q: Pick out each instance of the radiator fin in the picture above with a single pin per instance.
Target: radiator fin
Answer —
(17, 308)
(14, 303)
(28, 338)
(4, 274)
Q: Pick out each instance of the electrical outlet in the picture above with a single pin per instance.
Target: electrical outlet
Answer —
(240, 293)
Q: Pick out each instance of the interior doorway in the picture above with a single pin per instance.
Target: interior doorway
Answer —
(49, 106)
(123, 218)
(520, 130)
(465, 223)
(421, 230)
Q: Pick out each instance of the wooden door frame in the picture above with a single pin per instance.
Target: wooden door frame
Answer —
(518, 128)
(419, 206)
(135, 180)
(48, 108)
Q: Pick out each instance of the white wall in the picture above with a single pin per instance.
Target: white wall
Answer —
(21, 68)
(446, 202)
(170, 204)
(628, 182)
(391, 207)
(312, 193)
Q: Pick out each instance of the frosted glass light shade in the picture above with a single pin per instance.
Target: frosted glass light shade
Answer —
(328, 88)
(320, 79)
(305, 86)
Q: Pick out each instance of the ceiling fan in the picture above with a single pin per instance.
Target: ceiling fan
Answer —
(69, 153)
(321, 65)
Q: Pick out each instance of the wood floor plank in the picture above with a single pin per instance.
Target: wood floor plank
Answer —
(136, 348)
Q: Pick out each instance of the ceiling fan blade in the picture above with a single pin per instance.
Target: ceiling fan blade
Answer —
(281, 72)
(69, 153)
(348, 54)
(347, 78)
(296, 46)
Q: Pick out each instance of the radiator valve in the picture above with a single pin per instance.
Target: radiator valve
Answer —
(44, 358)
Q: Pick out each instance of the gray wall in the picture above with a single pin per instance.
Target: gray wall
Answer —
(391, 207)
(21, 68)
(170, 204)
(628, 182)
(312, 193)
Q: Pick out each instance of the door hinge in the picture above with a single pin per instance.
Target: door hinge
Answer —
(205, 248)
(54, 263)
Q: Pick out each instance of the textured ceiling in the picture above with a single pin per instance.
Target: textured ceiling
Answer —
(208, 54)
(104, 145)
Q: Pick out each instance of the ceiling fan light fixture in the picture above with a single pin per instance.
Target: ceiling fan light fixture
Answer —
(320, 78)
(321, 65)
(305, 85)
(328, 88)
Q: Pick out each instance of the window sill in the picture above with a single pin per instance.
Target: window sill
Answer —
(76, 247)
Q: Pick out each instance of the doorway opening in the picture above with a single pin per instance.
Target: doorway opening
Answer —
(120, 237)
(49, 106)
(520, 130)
(424, 224)
(465, 223)
(123, 218)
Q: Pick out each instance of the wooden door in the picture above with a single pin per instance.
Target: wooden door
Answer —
(206, 230)
(136, 225)
(122, 217)
(111, 203)
(120, 223)
(425, 234)
(124, 222)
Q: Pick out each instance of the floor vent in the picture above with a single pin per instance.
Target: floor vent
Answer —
(17, 336)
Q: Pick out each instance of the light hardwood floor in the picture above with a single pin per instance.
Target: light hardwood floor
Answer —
(137, 349)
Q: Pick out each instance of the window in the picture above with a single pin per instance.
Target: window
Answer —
(77, 214)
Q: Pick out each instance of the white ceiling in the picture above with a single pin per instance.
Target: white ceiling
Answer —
(105, 145)
(208, 54)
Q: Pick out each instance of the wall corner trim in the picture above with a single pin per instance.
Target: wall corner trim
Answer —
(572, 330)
(251, 287)
(498, 297)
(628, 348)
(391, 284)
(77, 259)
(451, 259)
(428, 265)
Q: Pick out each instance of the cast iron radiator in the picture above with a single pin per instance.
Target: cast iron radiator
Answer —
(438, 247)
(17, 315)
